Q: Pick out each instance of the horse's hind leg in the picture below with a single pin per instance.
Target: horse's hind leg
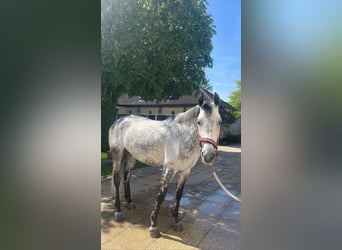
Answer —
(179, 191)
(116, 178)
(167, 175)
(127, 175)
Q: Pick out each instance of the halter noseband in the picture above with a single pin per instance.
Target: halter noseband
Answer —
(211, 141)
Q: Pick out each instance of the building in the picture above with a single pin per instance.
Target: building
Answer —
(162, 110)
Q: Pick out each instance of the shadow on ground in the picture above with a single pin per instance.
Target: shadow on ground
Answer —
(211, 219)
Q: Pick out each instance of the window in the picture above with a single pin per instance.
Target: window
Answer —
(152, 117)
(162, 117)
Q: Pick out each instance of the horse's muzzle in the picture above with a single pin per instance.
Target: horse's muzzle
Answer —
(208, 150)
(207, 158)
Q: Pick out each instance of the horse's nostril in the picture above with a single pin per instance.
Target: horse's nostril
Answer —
(208, 157)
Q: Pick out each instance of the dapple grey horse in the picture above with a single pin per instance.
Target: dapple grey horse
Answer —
(174, 144)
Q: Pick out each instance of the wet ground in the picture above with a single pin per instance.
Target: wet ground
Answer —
(211, 219)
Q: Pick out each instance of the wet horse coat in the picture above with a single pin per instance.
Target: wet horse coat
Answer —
(175, 144)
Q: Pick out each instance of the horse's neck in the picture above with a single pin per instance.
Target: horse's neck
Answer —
(188, 117)
(188, 123)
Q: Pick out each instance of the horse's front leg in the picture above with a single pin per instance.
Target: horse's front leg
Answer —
(179, 191)
(166, 177)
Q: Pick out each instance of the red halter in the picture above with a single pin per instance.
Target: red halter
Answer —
(212, 142)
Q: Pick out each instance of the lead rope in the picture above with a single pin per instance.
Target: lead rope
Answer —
(223, 187)
(214, 173)
(218, 179)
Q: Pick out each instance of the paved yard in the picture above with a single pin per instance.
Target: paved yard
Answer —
(211, 219)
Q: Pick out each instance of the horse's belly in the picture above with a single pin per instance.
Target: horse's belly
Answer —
(150, 160)
(150, 151)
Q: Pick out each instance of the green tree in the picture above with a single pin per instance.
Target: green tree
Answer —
(153, 49)
(235, 99)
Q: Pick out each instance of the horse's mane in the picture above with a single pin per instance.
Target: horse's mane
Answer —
(187, 116)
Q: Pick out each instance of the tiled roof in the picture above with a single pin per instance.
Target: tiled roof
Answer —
(187, 100)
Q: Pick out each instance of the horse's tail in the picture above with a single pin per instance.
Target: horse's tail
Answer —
(110, 150)
(110, 135)
(112, 182)
(110, 142)
(114, 133)
(114, 138)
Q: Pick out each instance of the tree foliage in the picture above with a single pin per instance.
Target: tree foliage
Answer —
(153, 49)
(235, 99)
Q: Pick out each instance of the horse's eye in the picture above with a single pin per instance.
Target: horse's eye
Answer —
(198, 123)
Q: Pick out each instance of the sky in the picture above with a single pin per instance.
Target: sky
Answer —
(227, 46)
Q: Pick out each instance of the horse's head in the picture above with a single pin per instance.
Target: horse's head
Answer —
(209, 127)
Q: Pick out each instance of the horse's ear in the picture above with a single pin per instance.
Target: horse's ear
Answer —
(217, 99)
(200, 100)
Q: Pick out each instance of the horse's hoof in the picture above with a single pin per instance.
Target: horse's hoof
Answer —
(117, 216)
(130, 205)
(177, 227)
(154, 232)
